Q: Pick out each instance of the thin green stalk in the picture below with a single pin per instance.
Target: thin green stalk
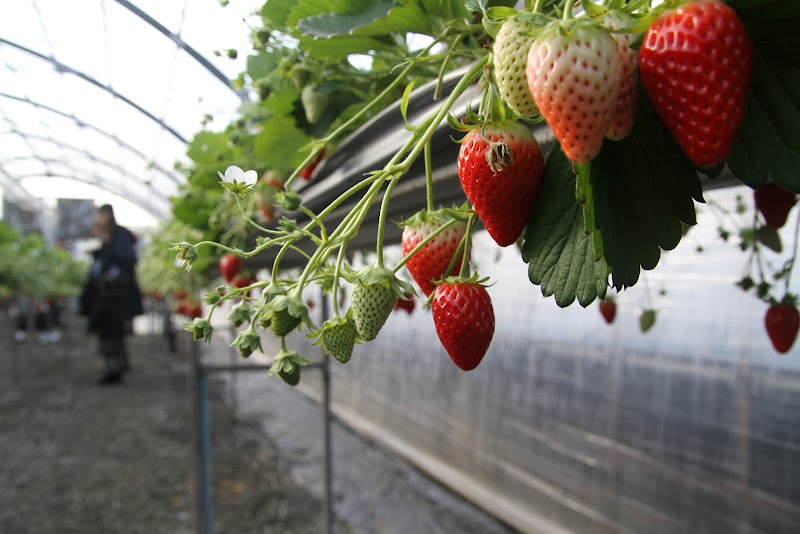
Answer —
(428, 176)
(424, 242)
(251, 221)
(344, 127)
(382, 218)
(471, 222)
(568, 5)
(458, 90)
(323, 233)
(788, 276)
(278, 259)
(336, 274)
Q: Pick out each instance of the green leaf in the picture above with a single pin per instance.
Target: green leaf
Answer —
(646, 320)
(643, 189)
(280, 144)
(501, 12)
(330, 24)
(770, 238)
(404, 101)
(769, 140)
(260, 65)
(277, 11)
(336, 49)
(206, 148)
(559, 250)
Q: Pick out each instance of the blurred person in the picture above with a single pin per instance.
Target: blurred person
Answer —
(111, 297)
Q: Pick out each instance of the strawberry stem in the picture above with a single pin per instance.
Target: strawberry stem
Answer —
(430, 237)
(428, 176)
(568, 5)
(788, 276)
(471, 222)
(382, 217)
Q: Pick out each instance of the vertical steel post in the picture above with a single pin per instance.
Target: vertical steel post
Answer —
(327, 516)
(201, 473)
(205, 442)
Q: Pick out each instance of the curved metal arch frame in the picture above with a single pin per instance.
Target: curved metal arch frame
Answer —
(122, 173)
(104, 184)
(104, 133)
(81, 151)
(180, 43)
(63, 68)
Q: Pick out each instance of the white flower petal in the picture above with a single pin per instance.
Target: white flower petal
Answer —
(250, 177)
(233, 173)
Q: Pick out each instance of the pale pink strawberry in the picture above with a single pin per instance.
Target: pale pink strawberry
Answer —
(574, 73)
(624, 111)
(510, 58)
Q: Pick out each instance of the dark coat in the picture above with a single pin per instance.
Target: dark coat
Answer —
(111, 296)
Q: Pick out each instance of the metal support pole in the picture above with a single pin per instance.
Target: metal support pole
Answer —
(205, 431)
(201, 447)
(327, 515)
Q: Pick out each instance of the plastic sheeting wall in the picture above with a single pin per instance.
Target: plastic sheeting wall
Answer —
(572, 424)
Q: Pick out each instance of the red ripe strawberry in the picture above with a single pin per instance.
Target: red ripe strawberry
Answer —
(609, 310)
(229, 266)
(431, 261)
(269, 186)
(180, 295)
(782, 323)
(774, 203)
(622, 119)
(407, 305)
(695, 64)
(575, 75)
(241, 280)
(500, 168)
(307, 171)
(510, 58)
(464, 320)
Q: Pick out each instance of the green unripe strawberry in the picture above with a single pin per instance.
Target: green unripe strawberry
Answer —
(339, 339)
(314, 102)
(371, 305)
(510, 59)
(282, 322)
(291, 375)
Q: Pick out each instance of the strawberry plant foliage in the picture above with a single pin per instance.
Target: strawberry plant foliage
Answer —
(610, 201)
(769, 140)
(643, 189)
(561, 253)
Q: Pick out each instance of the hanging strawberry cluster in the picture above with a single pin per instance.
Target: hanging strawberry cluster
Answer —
(640, 100)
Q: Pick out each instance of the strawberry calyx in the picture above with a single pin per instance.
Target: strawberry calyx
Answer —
(287, 365)
(442, 215)
(372, 274)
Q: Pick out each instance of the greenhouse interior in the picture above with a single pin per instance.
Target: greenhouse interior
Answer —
(399, 266)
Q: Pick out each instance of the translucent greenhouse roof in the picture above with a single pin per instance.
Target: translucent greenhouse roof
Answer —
(108, 92)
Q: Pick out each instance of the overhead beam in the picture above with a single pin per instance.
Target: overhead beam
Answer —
(83, 124)
(102, 183)
(180, 43)
(61, 67)
(83, 152)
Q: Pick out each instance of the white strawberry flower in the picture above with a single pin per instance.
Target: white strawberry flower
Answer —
(238, 181)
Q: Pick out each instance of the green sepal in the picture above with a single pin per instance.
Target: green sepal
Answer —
(372, 274)
(247, 341)
(200, 328)
(441, 215)
(240, 314)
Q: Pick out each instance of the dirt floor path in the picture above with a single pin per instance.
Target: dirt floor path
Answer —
(76, 457)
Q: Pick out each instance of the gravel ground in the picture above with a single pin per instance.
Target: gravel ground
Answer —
(83, 458)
